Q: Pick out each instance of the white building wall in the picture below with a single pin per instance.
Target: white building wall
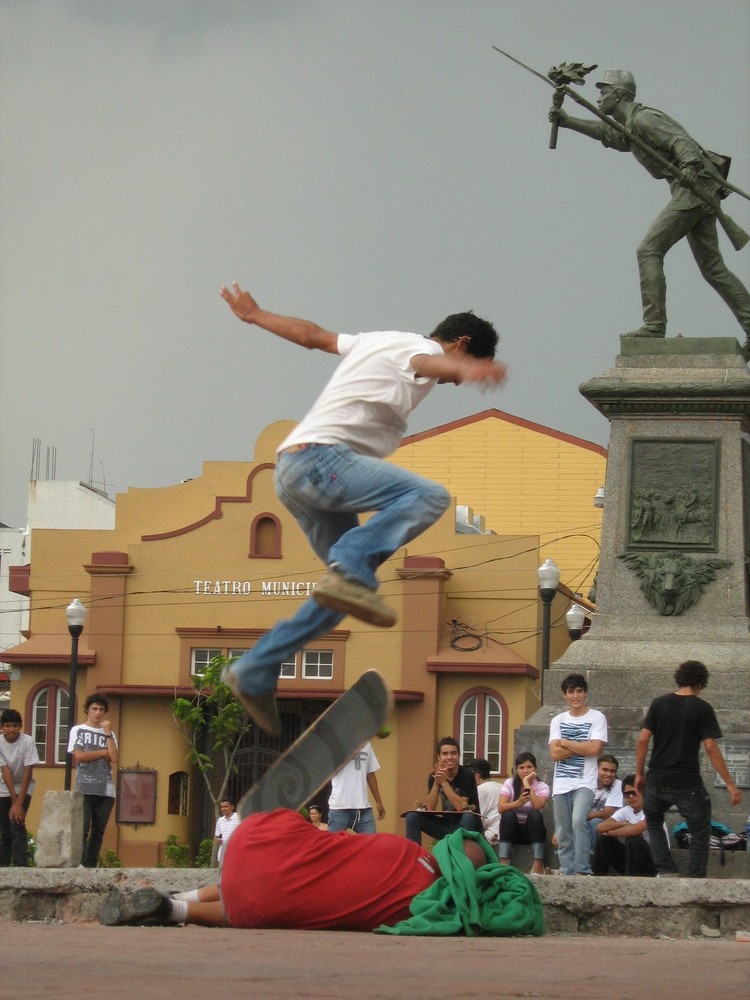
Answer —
(14, 609)
(52, 504)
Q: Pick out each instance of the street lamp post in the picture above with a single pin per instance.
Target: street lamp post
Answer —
(575, 616)
(76, 615)
(549, 577)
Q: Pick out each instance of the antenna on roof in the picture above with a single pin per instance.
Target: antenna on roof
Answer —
(91, 458)
(36, 448)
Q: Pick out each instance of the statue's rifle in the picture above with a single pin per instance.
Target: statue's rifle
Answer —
(559, 79)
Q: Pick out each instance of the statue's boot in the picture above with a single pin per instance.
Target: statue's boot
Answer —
(646, 331)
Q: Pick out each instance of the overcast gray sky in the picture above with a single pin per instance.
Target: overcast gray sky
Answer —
(369, 164)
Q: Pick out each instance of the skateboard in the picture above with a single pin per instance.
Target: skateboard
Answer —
(310, 762)
(429, 812)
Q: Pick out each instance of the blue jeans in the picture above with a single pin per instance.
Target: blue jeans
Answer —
(326, 487)
(438, 827)
(533, 832)
(572, 828)
(688, 794)
(359, 820)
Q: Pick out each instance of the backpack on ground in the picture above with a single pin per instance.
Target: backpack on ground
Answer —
(722, 838)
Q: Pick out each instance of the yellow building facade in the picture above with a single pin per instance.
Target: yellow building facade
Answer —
(522, 478)
(211, 564)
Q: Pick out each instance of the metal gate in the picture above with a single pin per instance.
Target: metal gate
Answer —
(258, 753)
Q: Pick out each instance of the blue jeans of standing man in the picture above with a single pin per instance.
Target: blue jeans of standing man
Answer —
(359, 820)
(572, 828)
(688, 794)
(326, 487)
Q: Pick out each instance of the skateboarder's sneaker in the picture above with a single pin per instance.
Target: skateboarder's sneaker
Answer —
(337, 593)
(261, 708)
(144, 906)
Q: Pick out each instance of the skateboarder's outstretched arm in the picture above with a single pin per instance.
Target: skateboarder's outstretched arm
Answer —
(298, 331)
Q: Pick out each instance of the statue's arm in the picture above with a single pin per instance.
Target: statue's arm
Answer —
(591, 127)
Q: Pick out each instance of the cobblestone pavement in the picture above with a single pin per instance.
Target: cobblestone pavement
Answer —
(140, 963)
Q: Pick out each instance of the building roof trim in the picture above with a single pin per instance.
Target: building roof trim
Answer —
(493, 413)
(173, 691)
(216, 513)
(499, 660)
(47, 651)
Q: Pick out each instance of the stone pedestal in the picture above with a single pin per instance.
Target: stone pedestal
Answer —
(59, 839)
(672, 583)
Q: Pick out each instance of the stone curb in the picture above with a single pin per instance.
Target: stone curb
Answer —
(635, 907)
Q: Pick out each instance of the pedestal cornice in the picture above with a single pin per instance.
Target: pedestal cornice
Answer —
(674, 378)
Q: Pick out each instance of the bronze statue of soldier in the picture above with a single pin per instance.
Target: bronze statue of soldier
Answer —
(697, 179)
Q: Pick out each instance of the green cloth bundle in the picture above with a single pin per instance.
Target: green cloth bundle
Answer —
(494, 899)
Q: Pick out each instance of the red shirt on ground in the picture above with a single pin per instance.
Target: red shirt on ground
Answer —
(281, 871)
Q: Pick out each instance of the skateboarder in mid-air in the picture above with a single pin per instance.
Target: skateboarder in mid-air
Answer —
(330, 469)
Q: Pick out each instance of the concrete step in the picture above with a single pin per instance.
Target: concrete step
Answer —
(639, 907)
(736, 863)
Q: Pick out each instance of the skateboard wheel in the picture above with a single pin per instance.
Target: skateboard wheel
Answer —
(383, 733)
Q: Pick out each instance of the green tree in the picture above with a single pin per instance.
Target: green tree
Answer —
(176, 855)
(214, 724)
(204, 856)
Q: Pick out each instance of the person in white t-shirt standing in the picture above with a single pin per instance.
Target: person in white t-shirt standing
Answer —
(226, 824)
(330, 469)
(18, 755)
(576, 738)
(349, 803)
(94, 749)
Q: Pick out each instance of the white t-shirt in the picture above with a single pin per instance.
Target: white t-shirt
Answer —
(578, 771)
(349, 783)
(608, 798)
(225, 827)
(369, 397)
(628, 815)
(18, 755)
(488, 793)
(93, 777)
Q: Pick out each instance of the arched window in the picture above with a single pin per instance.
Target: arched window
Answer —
(177, 796)
(481, 727)
(265, 537)
(48, 712)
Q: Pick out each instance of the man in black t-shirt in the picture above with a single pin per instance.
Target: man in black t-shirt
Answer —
(451, 788)
(679, 723)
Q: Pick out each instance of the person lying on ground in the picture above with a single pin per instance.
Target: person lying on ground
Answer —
(281, 872)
